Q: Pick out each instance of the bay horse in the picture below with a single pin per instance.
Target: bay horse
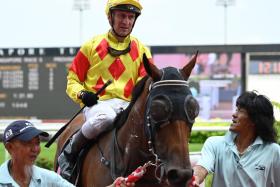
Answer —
(155, 128)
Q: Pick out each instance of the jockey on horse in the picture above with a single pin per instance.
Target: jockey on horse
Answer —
(116, 56)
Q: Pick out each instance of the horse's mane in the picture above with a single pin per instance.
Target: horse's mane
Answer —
(122, 117)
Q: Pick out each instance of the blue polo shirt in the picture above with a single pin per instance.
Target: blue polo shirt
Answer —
(259, 166)
(40, 178)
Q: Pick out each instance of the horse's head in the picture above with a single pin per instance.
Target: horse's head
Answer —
(170, 113)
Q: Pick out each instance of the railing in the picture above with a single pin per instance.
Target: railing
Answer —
(52, 128)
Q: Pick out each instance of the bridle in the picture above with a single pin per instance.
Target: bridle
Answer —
(174, 105)
(152, 123)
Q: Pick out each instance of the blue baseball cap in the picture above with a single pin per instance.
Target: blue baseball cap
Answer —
(22, 130)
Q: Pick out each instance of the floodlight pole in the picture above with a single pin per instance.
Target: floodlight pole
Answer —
(81, 5)
(81, 25)
(225, 4)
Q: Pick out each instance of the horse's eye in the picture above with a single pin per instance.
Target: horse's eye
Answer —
(161, 109)
(191, 107)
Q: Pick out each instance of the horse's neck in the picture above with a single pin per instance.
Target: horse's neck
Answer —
(131, 136)
(134, 125)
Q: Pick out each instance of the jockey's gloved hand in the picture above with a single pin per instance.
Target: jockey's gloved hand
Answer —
(88, 98)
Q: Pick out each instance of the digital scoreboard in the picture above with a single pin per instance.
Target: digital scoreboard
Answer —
(33, 83)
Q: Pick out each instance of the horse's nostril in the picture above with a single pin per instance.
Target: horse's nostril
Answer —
(179, 177)
(172, 174)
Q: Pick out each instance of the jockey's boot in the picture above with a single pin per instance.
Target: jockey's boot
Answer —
(67, 159)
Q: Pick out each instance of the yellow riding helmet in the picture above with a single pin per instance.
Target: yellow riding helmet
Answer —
(126, 5)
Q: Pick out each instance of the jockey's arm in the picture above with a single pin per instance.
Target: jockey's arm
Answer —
(74, 87)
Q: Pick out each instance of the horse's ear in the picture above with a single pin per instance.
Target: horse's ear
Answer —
(187, 69)
(151, 69)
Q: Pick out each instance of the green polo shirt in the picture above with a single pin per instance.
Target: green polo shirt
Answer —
(259, 166)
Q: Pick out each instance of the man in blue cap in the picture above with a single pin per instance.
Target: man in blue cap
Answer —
(22, 140)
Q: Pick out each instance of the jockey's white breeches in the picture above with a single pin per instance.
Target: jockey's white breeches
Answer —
(100, 115)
